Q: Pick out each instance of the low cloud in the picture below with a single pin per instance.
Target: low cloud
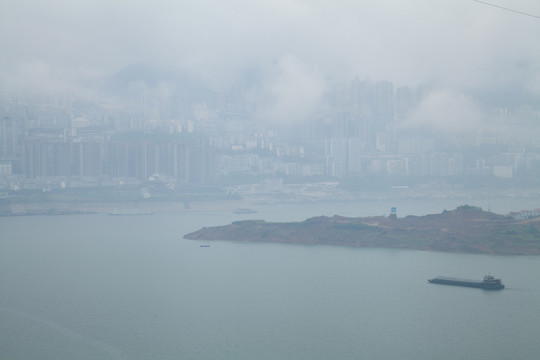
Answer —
(39, 77)
(446, 112)
(463, 46)
(293, 93)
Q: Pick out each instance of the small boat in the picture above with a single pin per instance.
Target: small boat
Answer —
(202, 245)
(131, 212)
(245, 211)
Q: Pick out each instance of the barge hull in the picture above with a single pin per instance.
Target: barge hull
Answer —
(466, 283)
(489, 282)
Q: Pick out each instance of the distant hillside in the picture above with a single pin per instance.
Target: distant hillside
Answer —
(467, 229)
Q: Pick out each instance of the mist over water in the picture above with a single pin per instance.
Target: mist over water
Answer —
(294, 109)
(97, 286)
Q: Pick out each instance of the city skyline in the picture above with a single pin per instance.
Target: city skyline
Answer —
(291, 89)
(364, 130)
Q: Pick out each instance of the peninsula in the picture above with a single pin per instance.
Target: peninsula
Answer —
(466, 229)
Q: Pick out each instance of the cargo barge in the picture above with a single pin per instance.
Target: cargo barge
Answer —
(131, 212)
(489, 282)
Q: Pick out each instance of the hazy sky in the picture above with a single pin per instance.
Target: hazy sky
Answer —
(458, 45)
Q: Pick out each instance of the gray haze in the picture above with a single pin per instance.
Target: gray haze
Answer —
(294, 46)
(202, 113)
(329, 89)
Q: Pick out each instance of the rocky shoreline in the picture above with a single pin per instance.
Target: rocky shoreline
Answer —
(466, 229)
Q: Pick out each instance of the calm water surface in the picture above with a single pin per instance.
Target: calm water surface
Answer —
(106, 287)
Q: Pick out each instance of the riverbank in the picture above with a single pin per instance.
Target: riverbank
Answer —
(70, 208)
(467, 229)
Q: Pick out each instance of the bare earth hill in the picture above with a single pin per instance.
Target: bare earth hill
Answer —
(467, 230)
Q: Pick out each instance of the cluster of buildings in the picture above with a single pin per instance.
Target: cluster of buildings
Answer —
(101, 155)
(221, 136)
(525, 214)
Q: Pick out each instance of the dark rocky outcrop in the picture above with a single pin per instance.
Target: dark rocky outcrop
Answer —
(467, 229)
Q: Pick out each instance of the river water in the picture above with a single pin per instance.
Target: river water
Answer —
(129, 287)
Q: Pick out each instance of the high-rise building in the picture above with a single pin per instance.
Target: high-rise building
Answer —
(8, 136)
(405, 102)
(9, 145)
(383, 104)
(362, 98)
